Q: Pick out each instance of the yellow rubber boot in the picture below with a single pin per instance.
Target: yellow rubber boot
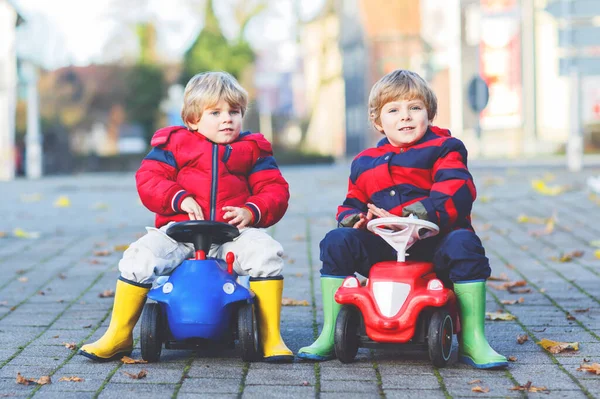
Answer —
(117, 341)
(268, 293)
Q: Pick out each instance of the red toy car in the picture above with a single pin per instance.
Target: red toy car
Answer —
(403, 302)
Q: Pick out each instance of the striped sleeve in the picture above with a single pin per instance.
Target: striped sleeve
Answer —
(453, 191)
(356, 200)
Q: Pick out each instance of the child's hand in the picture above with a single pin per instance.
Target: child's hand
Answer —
(240, 217)
(191, 207)
(362, 222)
(379, 212)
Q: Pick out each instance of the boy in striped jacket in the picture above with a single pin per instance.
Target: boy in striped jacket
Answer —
(416, 169)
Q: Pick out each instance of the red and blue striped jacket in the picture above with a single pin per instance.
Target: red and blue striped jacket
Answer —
(432, 173)
(185, 164)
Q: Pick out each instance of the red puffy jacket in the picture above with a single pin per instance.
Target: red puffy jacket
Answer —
(183, 163)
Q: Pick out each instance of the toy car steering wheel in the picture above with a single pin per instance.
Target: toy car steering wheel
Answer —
(402, 232)
(202, 233)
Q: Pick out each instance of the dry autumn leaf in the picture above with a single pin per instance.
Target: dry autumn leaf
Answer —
(541, 187)
(501, 277)
(582, 310)
(590, 368)
(104, 252)
(529, 388)
(128, 360)
(138, 376)
(299, 238)
(474, 382)
(567, 257)
(121, 248)
(106, 294)
(480, 389)
(558, 347)
(499, 316)
(72, 378)
(507, 285)
(521, 339)
(23, 279)
(70, 345)
(512, 358)
(43, 380)
(293, 302)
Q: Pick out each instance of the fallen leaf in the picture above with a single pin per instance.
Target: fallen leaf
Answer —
(87, 326)
(20, 233)
(529, 388)
(104, 252)
(590, 368)
(567, 257)
(35, 197)
(106, 294)
(291, 261)
(541, 187)
(55, 336)
(508, 301)
(100, 206)
(480, 389)
(530, 219)
(138, 376)
(293, 302)
(298, 275)
(484, 199)
(3, 234)
(502, 277)
(570, 317)
(597, 253)
(514, 290)
(43, 380)
(508, 284)
(70, 345)
(62, 202)
(299, 238)
(62, 276)
(23, 279)
(72, 378)
(521, 339)
(558, 347)
(582, 310)
(512, 358)
(474, 382)
(499, 316)
(128, 360)
(305, 384)
(121, 248)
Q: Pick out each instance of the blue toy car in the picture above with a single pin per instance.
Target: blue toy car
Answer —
(201, 302)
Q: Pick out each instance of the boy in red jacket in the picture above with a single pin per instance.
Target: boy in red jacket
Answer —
(207, 170)
(416, 169)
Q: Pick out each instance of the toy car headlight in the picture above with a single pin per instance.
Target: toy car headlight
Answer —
(435, 285)
(228, 288)
(351, 282)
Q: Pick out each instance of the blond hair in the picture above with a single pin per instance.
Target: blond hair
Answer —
(206, 89)
(400, 85)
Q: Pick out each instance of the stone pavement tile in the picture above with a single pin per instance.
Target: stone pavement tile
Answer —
(552, 378)
(348, 373)
(198, 395)
(21, 360)
(154, 376)
(81, 364)
(499, 386)
(10, 371)
(211, 385)
(90, 383)
(341, 387)
(216, 371)
(414, 393)
(278, 392)
(292, 375)
(14, 336)
(146, 391)
(336, 364)
(46, 351)
(58, 337)
(9, 386)
(408, 377)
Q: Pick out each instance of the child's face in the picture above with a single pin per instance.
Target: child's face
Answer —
(404, 122)
(220, 124)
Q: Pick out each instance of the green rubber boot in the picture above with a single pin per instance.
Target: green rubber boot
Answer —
(322, 348)
(474, 348)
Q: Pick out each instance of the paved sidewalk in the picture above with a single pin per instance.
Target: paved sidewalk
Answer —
(50, 286)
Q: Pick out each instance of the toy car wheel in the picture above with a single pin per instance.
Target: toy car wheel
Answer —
(346, 337)
(248, 333)
(151, 334)
(439, 337)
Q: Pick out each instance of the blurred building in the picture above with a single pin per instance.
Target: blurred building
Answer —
(9, 20)
(516, 46)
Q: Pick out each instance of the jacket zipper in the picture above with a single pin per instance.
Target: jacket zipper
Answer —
(213, 188)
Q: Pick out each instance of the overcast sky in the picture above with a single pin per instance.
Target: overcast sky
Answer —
(63, 32)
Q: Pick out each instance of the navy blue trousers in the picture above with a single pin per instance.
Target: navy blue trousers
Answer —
(456, 256)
